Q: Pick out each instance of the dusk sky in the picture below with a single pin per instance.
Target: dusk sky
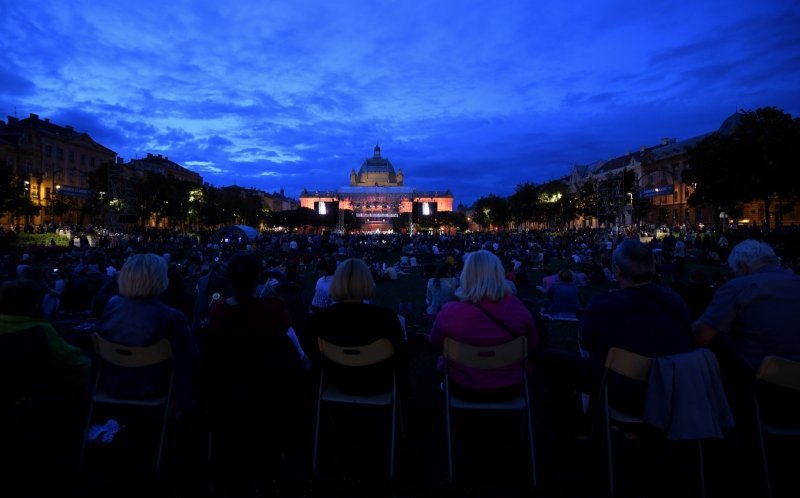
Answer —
(469, 95)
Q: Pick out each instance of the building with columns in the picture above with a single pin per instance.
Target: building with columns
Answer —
(378, 197)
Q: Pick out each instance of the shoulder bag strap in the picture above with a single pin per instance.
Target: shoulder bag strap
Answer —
(495, 320)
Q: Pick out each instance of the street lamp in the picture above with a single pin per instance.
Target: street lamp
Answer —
(53, 197)
(102, 208)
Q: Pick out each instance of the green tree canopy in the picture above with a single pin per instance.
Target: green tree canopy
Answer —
(759, 160)
(524, 203)
(492, 210)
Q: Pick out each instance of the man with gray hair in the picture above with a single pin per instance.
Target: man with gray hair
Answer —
(756, 314)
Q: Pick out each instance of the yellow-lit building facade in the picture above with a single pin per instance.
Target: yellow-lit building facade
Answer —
(54, 163)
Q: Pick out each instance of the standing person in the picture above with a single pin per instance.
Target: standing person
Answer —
(353, 321)
(487, 314)
(136, 317)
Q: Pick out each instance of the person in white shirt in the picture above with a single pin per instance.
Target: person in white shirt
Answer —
(322, 291)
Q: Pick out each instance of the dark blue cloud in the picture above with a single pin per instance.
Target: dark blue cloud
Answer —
(12, 83)
(273, 95)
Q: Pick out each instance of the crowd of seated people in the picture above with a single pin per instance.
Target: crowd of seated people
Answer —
(139, 297)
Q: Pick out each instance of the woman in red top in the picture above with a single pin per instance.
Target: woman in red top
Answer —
(253, 367)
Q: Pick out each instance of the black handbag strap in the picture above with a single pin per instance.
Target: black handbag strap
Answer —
(495, 320)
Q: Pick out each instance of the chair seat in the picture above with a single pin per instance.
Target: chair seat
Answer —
(517, 403)
(103, 397)
(776, 430)
(336, 395)
(624, 417)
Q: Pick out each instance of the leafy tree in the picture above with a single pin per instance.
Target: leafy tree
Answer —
(14, 197)
(492, 210)
(757, 160)
(523, 203)
(293, 219)
(585, 199)
(552, 201)
(710, 169)
(445, 219)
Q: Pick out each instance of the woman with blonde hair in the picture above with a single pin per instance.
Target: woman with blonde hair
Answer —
(136, 317)
(353, 321)
(488, 314)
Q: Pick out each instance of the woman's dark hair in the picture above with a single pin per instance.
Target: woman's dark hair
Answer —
(443, 271)
(244, 271)
(21, 297)
(327, 266)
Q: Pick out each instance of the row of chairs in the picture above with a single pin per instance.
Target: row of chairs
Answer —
(511, 353)
(776, 371)
(489, 357)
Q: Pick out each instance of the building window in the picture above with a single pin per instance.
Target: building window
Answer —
(59, 153)
(48, 151)
(91, 162)
(72, 156)
(35, 191)
(83, 159)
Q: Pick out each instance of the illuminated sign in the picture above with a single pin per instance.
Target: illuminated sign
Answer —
(377, 215)
(647, 193)
(74, 191)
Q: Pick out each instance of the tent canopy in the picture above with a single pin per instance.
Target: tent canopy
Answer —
(240, 233)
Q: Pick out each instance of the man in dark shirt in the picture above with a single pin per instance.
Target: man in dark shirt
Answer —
(642, 317)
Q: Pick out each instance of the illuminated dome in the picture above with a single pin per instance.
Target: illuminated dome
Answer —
(376, 171)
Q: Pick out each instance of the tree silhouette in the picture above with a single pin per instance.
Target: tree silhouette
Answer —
(756, 161)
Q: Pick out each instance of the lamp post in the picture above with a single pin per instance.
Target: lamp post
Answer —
(53, 197)
(102, 208)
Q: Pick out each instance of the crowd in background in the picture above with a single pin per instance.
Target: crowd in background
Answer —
(222, 301)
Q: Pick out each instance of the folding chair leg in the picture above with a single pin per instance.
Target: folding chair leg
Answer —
(610, 457)
(210, 445)
(449, 441)
(702, 468)
(393, 435)
(762, 447)
(85, 436)
(316, 440)
(530, 442)
(163, 436)
(764, 464)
